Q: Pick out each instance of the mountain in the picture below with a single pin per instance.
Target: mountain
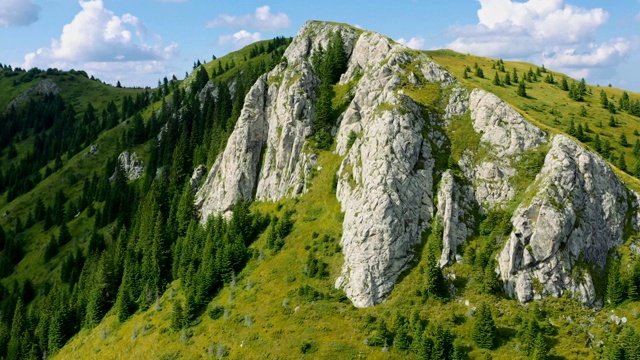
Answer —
(334, 194)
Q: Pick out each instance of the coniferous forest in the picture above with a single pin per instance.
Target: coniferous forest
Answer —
(135, 237)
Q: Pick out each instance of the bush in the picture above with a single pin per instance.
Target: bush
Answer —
(216, 312)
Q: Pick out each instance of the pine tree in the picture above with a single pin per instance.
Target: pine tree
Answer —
(479, 73)
(507, 79)
(401, 340)
(540, 350)
(623, 140)
(564, 85)
(515, 76)
(522, 91)
(64, 235)
(572, 128)
(604, 100)
(597, 144)
(442, 344)
(18, 326)
(484, 328)
(615, 286)
(496, 80)
(622, 164)
(177, 316)
(435, 286)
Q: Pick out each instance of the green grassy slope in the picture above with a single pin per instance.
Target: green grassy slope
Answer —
(274, 310)
(550, 108)
(265, 314)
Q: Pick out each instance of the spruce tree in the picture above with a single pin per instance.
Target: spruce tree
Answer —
(496, 80)
(484, 328)
(621, 164)
(522, 90)
(177, 316)
(564, 85)
(615, 286)
(623, 140)
(540, 350)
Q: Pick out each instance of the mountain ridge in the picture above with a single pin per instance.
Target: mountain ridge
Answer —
(436, 196)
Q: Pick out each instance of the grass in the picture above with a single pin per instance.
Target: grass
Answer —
(283, 324)
(548, 106)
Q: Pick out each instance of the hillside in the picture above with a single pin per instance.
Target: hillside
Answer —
(356, 199)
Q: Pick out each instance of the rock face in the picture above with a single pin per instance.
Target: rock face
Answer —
(46, 86)
(266, 157)
(392, 149)
(577, 214)
(504, 135)
(455, 212)
(386, 179)
(131, 164)
(196, 177)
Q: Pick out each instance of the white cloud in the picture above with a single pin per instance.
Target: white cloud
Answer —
(558, 34)
(239, 39)
(18, 12)
(415, 42)
(263, 19)
(97, 39)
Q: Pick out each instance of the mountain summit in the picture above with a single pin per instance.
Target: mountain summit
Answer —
(402, 174)
(336, 194)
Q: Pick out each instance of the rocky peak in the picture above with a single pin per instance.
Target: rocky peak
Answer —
(388, 180)
(577, 214)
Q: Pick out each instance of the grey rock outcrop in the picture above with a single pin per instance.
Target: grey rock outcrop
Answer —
(501, 126)
(46, 86)
(504, 134)
(455, 213)
(266, 157)
(131, 165)
(196, 178)
(577, 214)
(385, 180)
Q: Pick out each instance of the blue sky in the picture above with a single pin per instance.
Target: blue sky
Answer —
(139, 42)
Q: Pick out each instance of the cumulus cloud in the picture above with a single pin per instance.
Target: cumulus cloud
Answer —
(239, 39)
(560, 35)
(263, 19)
(18, 13)
(98, 39)
(415, 42)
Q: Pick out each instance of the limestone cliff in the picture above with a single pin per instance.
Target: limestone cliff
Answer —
(393, 183)
(577, 214)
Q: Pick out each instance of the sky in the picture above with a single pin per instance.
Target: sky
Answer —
(139, 42)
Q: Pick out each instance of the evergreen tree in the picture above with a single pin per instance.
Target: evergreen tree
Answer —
(64, 235)
(572, 128)
(401, 340)
(623, 140)
(540, 350)
(604, 100)
(435, 286)
(621, 164)
(484, 328)
(515, 76)
(636, 148)
(564, 85)
(177, 316)
(615, 286)
(496, 80)
(18, 327)
(522, 91)
(625, 102)
(479, 73)
(613, 122)
(507, 79)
